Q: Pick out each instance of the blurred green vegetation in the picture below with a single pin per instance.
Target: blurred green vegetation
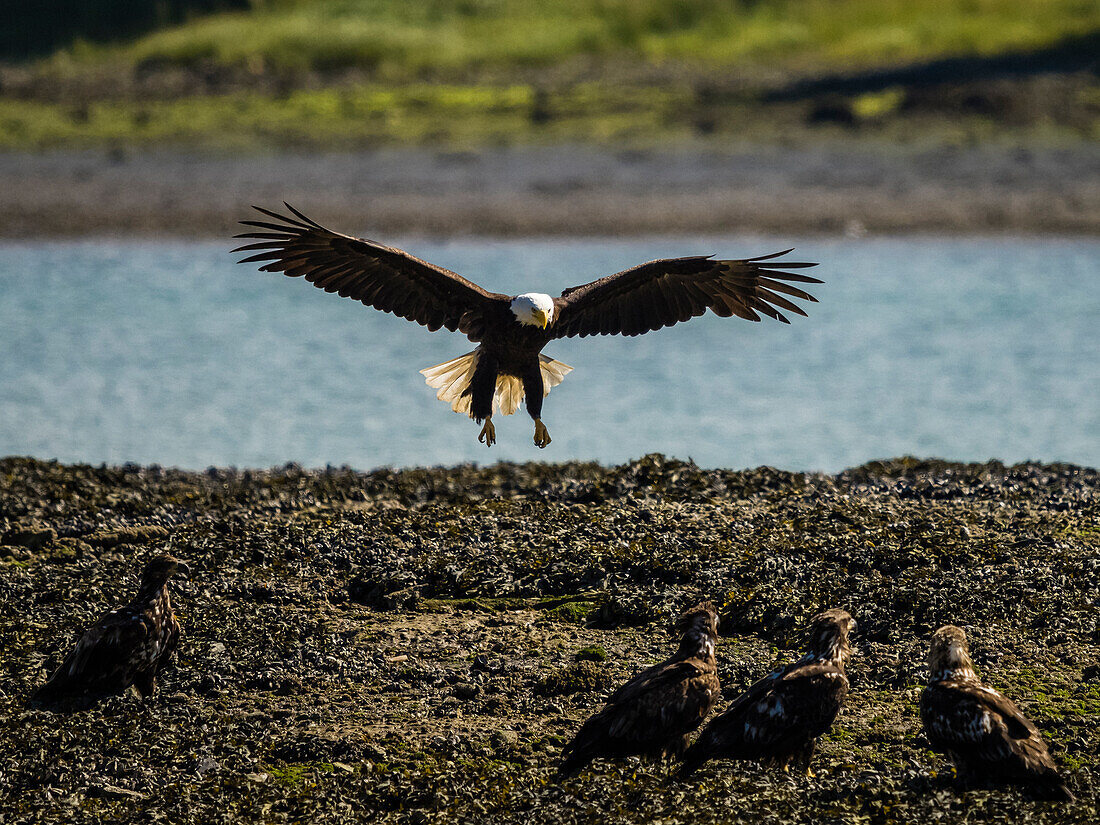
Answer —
(420, 113)
(347, 73)
(404, 39)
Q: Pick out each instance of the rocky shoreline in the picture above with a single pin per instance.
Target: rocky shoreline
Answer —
(415, 645)
(840, 188)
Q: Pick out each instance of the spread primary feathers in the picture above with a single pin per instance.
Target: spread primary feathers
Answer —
(653, 713)
(987, 737)
(125, 647)
(781, 716)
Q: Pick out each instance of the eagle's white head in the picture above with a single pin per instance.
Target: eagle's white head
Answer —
(534, 309)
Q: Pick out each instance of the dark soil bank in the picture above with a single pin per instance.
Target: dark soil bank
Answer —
(416, 645)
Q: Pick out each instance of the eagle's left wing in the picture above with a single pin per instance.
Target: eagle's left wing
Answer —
(661, 293)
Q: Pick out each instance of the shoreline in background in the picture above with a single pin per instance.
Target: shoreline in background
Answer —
(563, 190)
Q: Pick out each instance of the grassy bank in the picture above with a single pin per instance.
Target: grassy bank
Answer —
(359, 73)
(445, 38)
(334, 618)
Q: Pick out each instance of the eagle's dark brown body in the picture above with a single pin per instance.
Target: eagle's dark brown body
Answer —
(779, 718)
(513, 350)
(987, 737)
(652, 714)
(125, 647)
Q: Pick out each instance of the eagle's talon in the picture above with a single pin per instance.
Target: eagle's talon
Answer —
(542, 435)
(488, 435)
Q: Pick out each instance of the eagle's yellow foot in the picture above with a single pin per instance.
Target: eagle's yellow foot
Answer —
(488, 435)
(810, 774)
(542, 435)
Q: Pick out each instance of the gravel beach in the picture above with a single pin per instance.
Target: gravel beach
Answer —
(416, 645)
(564, 190)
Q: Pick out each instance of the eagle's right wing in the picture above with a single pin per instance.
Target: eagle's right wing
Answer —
(380, 276)
(991, 735)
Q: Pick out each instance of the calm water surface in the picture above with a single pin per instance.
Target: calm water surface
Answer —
(169, 353)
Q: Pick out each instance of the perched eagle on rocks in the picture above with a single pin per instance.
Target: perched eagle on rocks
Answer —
(652, 714)
(125, 647)
(512, 330)
(986, 736)
(780, 717)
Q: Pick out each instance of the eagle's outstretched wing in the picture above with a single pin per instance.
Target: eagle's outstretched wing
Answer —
(661, 293)
(380, 276)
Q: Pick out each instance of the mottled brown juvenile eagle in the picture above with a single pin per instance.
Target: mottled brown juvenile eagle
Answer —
(779, 718)
(986, 736)
(125, 647)
(652, 714)
(513, 329)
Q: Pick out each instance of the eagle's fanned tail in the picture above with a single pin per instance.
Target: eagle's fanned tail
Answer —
(452, 379)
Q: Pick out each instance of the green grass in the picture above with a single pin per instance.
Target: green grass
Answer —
(402, 40)
(346, 74)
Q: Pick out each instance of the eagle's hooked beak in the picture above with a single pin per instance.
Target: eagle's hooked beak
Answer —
(543, 317)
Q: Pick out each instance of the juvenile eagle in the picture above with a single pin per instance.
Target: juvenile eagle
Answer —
(653, 713)
(780, 717)
(512, 330)
(984, 733)
(127, 646)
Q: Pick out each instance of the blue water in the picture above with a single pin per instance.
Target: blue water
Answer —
(169, 353)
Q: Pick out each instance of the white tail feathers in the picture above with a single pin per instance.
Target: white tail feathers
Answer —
(452, 378)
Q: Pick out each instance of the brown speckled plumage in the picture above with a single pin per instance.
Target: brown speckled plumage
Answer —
(779, 718)
(653, 713)
(987, 737)
(127, 646)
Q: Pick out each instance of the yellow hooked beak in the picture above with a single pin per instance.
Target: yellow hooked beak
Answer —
(543, 317)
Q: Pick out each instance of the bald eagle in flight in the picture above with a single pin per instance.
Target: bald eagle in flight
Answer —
(125, 647)
(512, 330)
(653, 713)
(780, 717)
(984, 733)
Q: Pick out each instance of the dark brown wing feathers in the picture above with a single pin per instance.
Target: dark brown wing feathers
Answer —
(380, 276)
(650, 715)
(126, 646)
(777, 719)
(661, 293)
(989, 738)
